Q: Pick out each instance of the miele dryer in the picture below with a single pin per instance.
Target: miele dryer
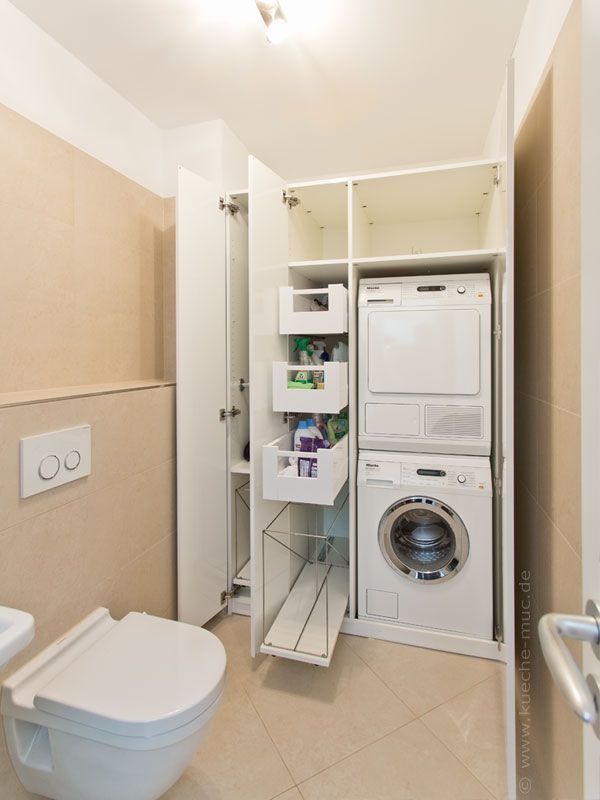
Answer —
(425, 549)
(425, 364)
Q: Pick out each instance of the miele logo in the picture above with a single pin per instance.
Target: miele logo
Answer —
(373, 288)
(375, 466)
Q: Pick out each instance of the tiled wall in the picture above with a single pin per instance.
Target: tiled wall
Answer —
(87, 296)
(105, 540)
(547, 406)
(81, 276)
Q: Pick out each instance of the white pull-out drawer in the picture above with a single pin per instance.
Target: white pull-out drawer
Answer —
(296, 314)
(282, 482)
(331, 399)
(305, 581)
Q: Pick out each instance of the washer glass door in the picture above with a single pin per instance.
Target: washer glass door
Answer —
(423, 539)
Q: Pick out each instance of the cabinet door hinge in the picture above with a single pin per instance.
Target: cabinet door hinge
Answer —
(228, 208)
(497, 174)
(225, 595)
(223, 413)
(290, 199)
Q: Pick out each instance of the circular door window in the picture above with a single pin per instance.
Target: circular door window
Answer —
(423, 539)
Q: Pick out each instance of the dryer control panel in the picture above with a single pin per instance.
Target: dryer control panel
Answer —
(459, 476)
(427, 290)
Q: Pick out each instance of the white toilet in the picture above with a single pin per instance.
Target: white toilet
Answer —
(113, 710)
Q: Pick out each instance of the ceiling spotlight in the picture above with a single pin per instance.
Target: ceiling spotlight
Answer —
(274, 19)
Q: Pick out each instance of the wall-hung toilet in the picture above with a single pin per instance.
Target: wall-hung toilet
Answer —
(113, 710)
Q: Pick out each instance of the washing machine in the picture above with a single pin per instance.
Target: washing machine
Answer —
(425, 549)
(425, 364)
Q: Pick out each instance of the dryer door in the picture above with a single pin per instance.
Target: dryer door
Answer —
(423, 539)
(424, 351)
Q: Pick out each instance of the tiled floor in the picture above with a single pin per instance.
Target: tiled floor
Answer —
(384, 722)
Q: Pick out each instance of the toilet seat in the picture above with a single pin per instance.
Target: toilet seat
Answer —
(113, 709)
(144, 677)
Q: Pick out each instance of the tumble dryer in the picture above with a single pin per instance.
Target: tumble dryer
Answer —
(425, 364)
(425, 541)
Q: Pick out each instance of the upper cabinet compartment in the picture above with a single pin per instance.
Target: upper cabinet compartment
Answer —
(446, 210)
(318, 222)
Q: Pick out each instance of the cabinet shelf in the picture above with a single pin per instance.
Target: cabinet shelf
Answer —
(243, 576)
(241, 468)
(465, 260)
(307, 627)
(322, 271)
(331, 399)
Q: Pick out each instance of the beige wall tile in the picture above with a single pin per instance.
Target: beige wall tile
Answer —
(526, 252)
(131, 432)
(526, 438)
(525, 164)
(558, 345)
(526, 352)
(82, 282)
(566, 213)
(148, 583)
(168, 258)
(548, 491)
(559, 434)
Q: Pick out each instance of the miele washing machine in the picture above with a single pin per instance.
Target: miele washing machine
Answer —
(425, 541)
(425, 364)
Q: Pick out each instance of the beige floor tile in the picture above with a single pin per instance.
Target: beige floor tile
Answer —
(318, 716)
(472, 727)
(291, 794)
(237, 759)
(409, 764)
(422, 678)
(234, 632)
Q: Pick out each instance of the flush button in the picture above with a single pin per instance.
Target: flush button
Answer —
(72, 459)
(49, 467)
(461, 290)
(461, 478)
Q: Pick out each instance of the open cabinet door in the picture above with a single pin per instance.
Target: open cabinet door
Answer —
(201, 394)
(268, 270)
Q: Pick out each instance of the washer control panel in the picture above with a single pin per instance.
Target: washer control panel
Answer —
(52, 459)
(373, 472)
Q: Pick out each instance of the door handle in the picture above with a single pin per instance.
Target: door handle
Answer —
(553, 629)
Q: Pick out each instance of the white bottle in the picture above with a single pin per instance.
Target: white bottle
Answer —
(299, 432)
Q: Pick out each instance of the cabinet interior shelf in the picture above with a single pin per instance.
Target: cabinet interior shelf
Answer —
(243, 576)
(298, 630)
(465, 260)
(241, 468)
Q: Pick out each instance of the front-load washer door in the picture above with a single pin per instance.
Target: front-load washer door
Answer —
(423, 539)
(424, 351)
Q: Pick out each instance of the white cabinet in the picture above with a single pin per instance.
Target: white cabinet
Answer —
(288, 253)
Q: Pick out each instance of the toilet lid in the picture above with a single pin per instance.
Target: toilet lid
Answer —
(146, 676)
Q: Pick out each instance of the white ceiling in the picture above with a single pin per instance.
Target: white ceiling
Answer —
(359, 85)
